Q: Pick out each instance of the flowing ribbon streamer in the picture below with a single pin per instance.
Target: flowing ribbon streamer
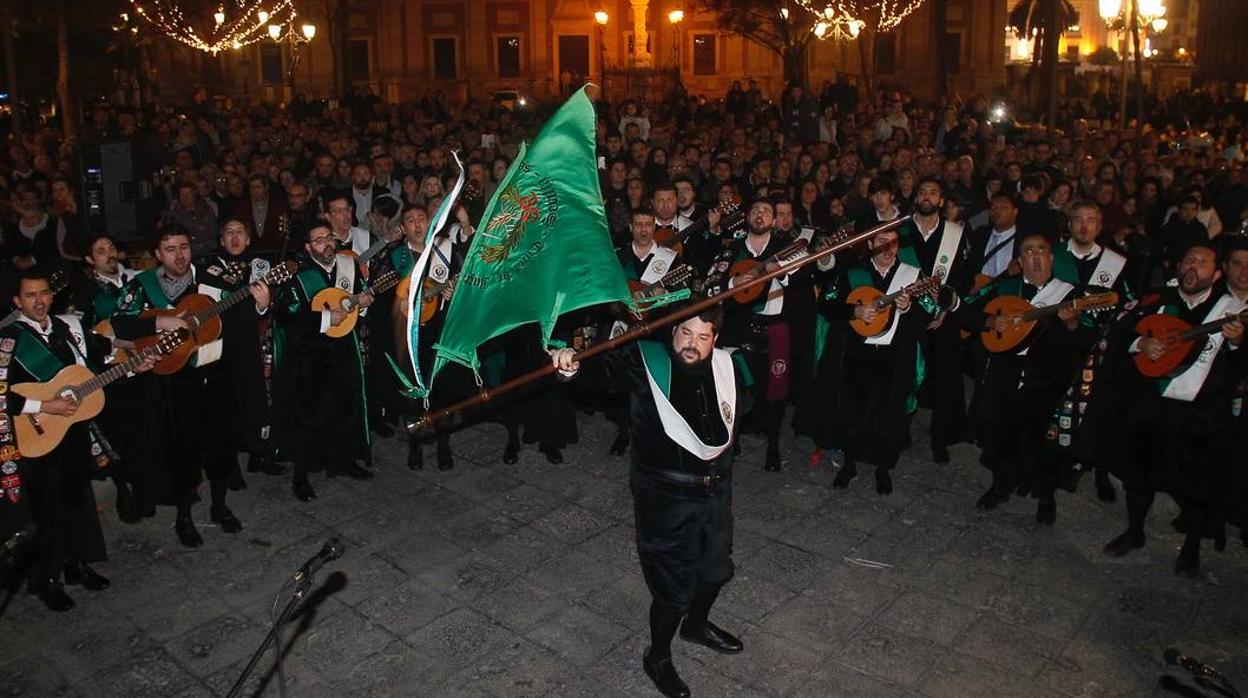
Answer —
(417, 389)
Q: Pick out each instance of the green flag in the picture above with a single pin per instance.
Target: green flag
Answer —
(543, 247)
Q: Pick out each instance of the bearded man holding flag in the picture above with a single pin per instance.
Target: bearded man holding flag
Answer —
(543, 250)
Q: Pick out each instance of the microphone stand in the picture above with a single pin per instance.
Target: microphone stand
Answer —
(301, 589)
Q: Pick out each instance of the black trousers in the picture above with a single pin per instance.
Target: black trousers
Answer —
(684, 537)
(63, 505)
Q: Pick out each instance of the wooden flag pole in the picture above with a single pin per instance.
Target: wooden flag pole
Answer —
(645, 328)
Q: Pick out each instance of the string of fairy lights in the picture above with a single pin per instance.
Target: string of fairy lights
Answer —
(232, 25)
(844, 19)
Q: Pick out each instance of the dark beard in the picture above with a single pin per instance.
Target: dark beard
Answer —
(926, 209)
(696, 368)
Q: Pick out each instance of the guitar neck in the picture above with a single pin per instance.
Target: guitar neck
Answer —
(372, 251)
(385, 283)
(121, 370)
(221, 306)
(1211, 327)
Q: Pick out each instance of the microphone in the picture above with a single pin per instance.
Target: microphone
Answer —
(332, 550)
(1195, 666)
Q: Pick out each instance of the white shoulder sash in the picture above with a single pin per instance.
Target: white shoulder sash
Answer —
(1186, 386)
(675, 426)
(906, 275)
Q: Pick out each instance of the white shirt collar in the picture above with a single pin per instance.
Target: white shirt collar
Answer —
(1201, 298)
(1096, 250)
(638, 255)
(750, 247)
(883, 272)
(1004, 233)
(927, 234)
(45, 333)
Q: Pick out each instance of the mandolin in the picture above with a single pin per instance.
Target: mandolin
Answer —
(869, 295)
(674, 279)
(202, 315)
(334, 297)
(39, 433)
(430, 295)
(1025, 316)
(1179, 338)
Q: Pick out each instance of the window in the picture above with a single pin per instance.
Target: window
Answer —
(444, 59)
(271, 64)
(358, 60)
(704, 54)
(886, 54)
(508, 56)
(953, 52)
(574, 58)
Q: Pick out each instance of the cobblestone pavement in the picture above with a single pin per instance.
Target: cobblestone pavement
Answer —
(495, 580)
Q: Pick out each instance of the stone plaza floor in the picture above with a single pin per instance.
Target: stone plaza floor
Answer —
(522, 580)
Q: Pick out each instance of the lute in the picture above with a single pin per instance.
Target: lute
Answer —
(332, 298)
(1024, 316)
(1179, 338)
(869, 295)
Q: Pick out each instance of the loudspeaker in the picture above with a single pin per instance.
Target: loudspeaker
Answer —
(118, 189)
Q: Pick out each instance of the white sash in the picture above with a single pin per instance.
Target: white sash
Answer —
(75, 333)
(1051, 293)
(359, 240)
(1108, 267)
(950, 239)
(675, 426)
(660, 263)
(1187, 384)
(438, 269)
(906, 275)
(344, 273)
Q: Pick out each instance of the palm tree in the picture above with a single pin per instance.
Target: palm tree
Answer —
(1034, 18)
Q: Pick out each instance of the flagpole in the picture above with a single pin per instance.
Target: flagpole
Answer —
(646, 327)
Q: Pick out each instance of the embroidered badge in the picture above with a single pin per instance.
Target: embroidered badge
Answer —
(12, 487)
(779, 367)
(659, 266)
(259, 267)
(944, 259)
(940, 270)
(4, 387)
(215, 270)
(5, 358)
(8, 453)
(726, 410)
(8, 468)
(438, 273)
(1104, 278)
(8, 344)
(721, 266)
(342, 284)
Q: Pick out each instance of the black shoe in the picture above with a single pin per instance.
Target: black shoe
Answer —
(1104, 488)
(415, 456)
(1188, 563)
(1046, 512)
(940, 454)
(1124, 543)
(511, 453)
(188, 535)
(355, 472)
(77, 573)
(990, 499)
(303, 490)
(773, 460)
(382, 429)
(446, 459)
(848, 472)
(620, 446)
(883, 482)
(664, 676)
(235, 482)
(712, 636)
(264, 463)
(53, 595)
(226, 518)
(553, 455)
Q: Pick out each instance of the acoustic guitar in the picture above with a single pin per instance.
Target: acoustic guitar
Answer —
(38, 433)
(1024, 317)
(729, 208)
(869, 295)
(335, 298)
(430, 296)
(1179, 338)
(202, 315)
